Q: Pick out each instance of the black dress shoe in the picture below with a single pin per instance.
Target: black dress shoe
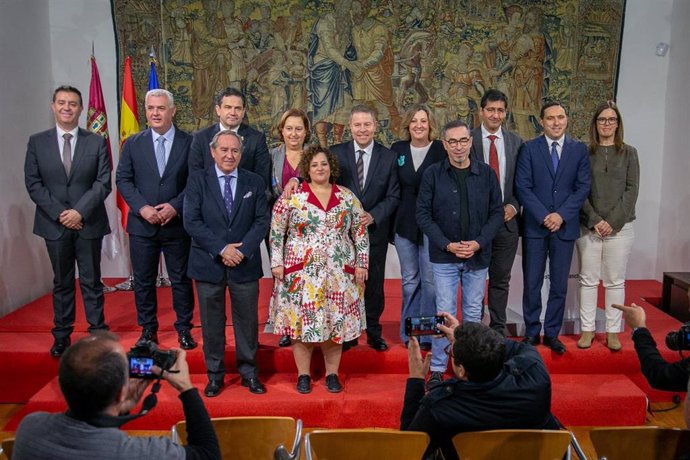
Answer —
(555, 344)
(285, 341)
(377, 343)
(333, 384)
(425, 346)
(304, 384)
(254, 384)
(147, 335)
(59, 347)
(186, 340)
(349, 344)
(213, 388)
(532, 340)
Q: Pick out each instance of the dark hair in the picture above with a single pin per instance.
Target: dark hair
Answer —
(454, 124)
(480, 350)
(594, 133)
(407, 119)
(294, 113)
(309, 155)
(549, 104)
(227, 92)
(493, 95)
(91, 374)
(68, 89)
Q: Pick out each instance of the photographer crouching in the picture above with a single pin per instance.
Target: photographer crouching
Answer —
(94, 377)
(497, 384)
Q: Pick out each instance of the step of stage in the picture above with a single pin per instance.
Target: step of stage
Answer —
(369, 400)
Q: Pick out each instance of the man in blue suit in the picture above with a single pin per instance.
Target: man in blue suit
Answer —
(67, 175)
(226, 213)
(151, 176)
(552, 180)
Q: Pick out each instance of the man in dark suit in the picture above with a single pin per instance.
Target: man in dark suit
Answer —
(151, 176)
(67, 175)
(496, 146)
(552, 180)
(369, 170)
(231, 106)
(227, 215)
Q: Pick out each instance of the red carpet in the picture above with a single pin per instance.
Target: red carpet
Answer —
(590, 387)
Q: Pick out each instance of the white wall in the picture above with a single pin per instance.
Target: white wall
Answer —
(46, 43)
(673, 252)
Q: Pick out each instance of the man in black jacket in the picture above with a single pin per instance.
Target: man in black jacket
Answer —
(498, 384)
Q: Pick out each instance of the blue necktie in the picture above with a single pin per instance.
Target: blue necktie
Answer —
(160, 155)
(554, 156)
(227, 195)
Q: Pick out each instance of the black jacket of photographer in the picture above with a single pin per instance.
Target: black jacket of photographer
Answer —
(660, 374)
(519, 397)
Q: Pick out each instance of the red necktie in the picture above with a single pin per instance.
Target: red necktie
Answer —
(493, 157)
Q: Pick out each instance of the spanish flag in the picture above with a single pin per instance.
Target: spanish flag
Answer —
(129, 123)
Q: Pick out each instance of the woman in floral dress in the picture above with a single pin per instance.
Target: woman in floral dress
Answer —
(319, 258)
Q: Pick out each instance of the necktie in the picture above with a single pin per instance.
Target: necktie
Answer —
(554, 156)
(160, 155)
(227, 194)
(360, 168)
(67, 152)
(493, 157)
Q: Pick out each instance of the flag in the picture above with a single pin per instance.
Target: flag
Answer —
(153, 77)
(129, 123)
(97, 122)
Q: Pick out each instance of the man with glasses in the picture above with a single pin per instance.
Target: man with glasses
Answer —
(459, 208)
(497, 383)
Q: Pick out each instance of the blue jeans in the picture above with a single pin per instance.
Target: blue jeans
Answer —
(446, 280)
(418, 297)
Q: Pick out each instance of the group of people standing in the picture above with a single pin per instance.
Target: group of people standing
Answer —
(454, 208)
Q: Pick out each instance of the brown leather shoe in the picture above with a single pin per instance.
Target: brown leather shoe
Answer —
(586, 339)
(612, 341)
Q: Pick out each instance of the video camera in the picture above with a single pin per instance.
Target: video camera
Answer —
(142, 358)
(679, 340)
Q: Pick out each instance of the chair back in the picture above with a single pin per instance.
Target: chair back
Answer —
(6, 446)
(640, 442)
(248, 437)
(365, 444)
(493, 444)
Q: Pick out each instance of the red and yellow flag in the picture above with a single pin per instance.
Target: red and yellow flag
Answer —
(129, 123)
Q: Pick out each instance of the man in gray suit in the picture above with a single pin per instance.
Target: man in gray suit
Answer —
(498, 147)
(67, 174)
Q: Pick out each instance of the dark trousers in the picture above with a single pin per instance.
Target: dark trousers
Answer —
(373, 289)
(145, 255)
(560, 254)
(244, 305)
(503, 250)
(87, 253)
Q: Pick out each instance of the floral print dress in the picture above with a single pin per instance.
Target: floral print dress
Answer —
(318, 299)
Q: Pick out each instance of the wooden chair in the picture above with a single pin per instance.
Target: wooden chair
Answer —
(250, 437)
(365, 444)
(518, 444)
(6, 448)
(640, 442)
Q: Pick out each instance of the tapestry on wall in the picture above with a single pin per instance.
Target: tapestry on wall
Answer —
(325, 56)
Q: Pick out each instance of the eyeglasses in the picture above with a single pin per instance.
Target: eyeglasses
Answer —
(607, 121)
(449, 350)
(455, 142)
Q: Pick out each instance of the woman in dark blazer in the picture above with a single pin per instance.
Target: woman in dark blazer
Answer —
(417, 151)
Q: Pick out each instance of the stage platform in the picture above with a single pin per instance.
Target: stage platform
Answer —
(594, 387)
